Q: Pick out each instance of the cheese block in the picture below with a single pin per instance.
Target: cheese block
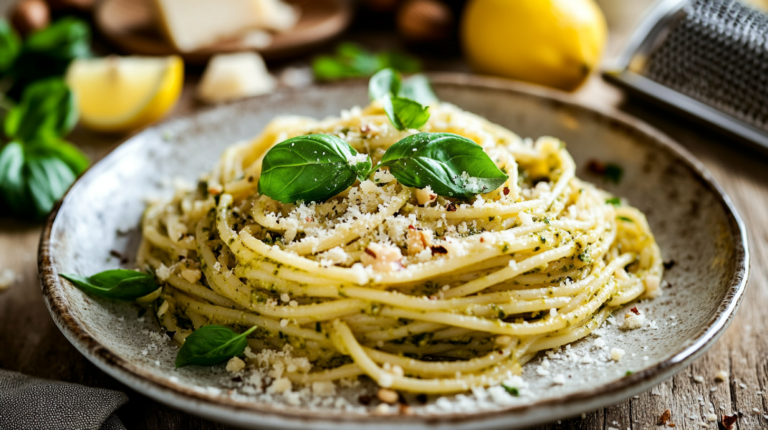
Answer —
(234, 76)
(193, 24)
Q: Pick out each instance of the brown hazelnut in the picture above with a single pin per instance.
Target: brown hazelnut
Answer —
(30, 15)
(425, 21)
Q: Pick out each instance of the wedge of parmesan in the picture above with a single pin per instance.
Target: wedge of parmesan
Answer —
(234, 76)
(195, 24)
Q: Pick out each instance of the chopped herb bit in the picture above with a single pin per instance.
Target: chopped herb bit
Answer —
(625, 219)
(614, 201)
(511, 390)
(629, 372)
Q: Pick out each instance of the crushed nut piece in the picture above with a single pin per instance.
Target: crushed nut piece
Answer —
(387, 396)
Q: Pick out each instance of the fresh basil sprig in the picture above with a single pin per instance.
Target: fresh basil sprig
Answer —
(44, 54)
(121, 284)
(37, 166)
(451, 165)
(352, 61)
(211, 344)
(308, 168)
(403, 112)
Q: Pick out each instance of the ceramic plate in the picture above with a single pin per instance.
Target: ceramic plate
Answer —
(700, 234)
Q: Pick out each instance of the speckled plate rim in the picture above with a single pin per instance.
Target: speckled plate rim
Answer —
(261, 415)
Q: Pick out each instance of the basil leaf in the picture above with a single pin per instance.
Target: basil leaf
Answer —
(10, 45)
(451, 165)
(385, 82)
(47, 53)
(118, 284)
(308, 168)
(211, 344)
(417, 88)
(404, 113)
(35, 176)
(47, 109)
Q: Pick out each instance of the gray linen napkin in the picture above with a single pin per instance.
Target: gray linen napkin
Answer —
(39, 404)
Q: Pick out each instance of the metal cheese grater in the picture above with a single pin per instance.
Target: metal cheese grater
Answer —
(706, 58)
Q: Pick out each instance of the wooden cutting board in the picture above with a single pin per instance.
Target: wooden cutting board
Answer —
(130, 26)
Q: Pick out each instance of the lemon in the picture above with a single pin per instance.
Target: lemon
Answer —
(550, 42)
(123, 93)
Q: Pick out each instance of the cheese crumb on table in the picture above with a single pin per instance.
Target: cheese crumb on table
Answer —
(721, 376)
(7, 278)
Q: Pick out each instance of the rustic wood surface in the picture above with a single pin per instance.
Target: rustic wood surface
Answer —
(30, 342)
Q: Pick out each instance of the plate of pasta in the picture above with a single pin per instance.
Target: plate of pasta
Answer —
(472, 253)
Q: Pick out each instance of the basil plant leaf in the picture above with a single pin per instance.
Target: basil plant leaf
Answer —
(313, 168)
(451, 165)
(10, 44)
(211, 344)
(47, 53)
(121, 284)
(47, 109)
(12, 183)
(405, 113)
(352, 61)
(35, 176)
(384, 83)
(417, 88)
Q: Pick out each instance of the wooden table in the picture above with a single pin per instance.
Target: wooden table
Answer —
(30, 342)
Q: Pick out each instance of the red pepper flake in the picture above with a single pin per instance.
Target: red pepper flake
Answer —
(664, 418)
(309, 219)
(635, 311)
(596, 166)
(506, 191)
(412, 228)
(450, 207)
(729, 421)
(438, 250)
(369, 252)
(482, 240)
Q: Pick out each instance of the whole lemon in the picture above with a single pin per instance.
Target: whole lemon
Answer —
(550, 42)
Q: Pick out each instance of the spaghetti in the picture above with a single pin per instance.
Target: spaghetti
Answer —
(420, 293)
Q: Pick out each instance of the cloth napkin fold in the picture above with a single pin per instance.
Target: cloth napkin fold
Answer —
(39, 404)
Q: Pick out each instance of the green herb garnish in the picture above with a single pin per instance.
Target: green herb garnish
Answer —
(352, 61)
(403, 112)
(614, 201)
(613, 173)
(314, 168)
(451, 165)
(629, 372)
(623, 218)
(121, 284)
(511, 390)
(211, 344)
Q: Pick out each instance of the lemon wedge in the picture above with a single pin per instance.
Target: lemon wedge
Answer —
(117, 94)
